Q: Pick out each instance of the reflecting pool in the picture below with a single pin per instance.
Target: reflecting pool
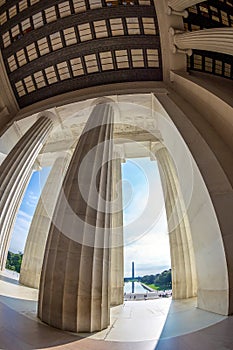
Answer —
(134, 287)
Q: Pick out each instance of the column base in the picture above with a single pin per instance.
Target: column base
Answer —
(213, 301)
(32, 282)
(117, 296)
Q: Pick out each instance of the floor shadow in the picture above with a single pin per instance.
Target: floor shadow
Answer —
(185, 328)
(9, 280)
(19, 331)
(215, 337)
(186, 323)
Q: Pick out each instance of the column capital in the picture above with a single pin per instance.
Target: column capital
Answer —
(174, 31)
(63, 154)
(49, 115)
(213, 39)
(180, 5)
(188, 52)
(157, 146)
(171, 12)
(36, 166)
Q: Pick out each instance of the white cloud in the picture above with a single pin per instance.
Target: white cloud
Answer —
(145, 224)
(25, 216)
(31, 199)
(136, 207)
(151, 253)
(21, 228)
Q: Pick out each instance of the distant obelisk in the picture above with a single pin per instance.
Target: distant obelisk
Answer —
(132, 277)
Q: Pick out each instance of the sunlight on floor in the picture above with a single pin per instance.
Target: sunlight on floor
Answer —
(134, 321)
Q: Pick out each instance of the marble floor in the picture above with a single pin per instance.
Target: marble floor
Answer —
(160, 324)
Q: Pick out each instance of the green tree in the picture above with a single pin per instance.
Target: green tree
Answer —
(14, 261)
(161, 280)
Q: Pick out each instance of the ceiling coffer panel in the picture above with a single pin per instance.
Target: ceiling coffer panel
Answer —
(205, 15)
(53, 47)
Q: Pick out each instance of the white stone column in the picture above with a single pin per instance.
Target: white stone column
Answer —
(7, 99)
(14, 175)
(210, 185)
(181, 247)
(117, 251)
(38, 233)
(75, 278)
(13, 217)
(180, 5)
(214, 39)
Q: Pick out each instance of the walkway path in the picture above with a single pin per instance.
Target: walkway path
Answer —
(134, 326)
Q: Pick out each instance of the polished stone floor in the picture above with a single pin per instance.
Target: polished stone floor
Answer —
(160, 324)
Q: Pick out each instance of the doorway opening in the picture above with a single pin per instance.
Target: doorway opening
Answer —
(146, 241)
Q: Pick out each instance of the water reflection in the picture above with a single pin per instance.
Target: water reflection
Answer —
(134, 287)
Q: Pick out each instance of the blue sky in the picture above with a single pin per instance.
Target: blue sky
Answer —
(145, 224)
(27, 209)
(145, 231)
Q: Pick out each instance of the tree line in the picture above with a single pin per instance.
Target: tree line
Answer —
(159, 281)
(14, 261)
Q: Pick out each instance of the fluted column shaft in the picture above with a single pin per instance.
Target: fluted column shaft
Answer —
(181, 248)
(13, 217)
(38, 233)
(74, 287)
(180, 5)
(117, 251)
(14, 175)
(214, 39)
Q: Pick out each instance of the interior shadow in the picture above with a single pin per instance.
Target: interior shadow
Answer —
(183, 320)
(23, 333)
(9, 279)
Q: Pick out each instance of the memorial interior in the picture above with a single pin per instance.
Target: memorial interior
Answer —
(85, 85)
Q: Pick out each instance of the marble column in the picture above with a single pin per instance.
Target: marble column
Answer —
(180, 5)
(214, 39)
(74, 287)
(14, 175)
(13, 217)
(181, 247)
(117, 251)
(39, 229)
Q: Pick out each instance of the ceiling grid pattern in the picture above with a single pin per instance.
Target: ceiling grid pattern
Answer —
(205, 15)
(52, 47)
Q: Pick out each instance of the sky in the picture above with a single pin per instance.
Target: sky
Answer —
(145, 227)
(27, 209)
(145, 224)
